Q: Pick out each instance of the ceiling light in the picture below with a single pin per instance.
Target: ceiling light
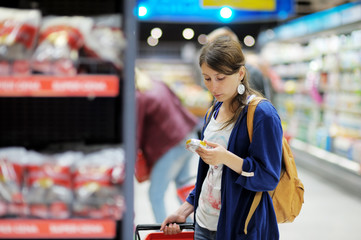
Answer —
(142, 11)
(226, 12)
(152, 41)
(249, 41)
(188, 33)
(202, 39)
(156, 32)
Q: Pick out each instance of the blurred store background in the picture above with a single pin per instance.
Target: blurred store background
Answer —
(66, 97)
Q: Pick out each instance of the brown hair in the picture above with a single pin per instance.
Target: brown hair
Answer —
(225, 56)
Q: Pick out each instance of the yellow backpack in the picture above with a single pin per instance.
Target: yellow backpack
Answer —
(287, 197)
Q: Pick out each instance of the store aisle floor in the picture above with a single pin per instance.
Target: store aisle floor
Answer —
(328, 212)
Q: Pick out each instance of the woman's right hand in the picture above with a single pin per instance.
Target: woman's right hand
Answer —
(170, 226)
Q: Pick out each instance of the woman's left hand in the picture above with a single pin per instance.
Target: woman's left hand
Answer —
(212, 156)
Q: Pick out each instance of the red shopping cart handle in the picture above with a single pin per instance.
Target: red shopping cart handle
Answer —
(144, 227)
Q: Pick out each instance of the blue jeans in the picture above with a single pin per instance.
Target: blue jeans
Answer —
(203, 233)
(175, 166)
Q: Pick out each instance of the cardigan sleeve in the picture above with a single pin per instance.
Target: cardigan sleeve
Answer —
(264, 158)
(191, 195)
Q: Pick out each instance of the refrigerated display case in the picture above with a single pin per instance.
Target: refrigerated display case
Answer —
(318, 59)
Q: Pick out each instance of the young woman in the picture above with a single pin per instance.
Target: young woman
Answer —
(233, 170)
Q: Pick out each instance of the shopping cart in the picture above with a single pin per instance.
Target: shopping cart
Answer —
(185, 235)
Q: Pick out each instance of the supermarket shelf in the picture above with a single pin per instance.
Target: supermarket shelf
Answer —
(41, 111)
(336, 169)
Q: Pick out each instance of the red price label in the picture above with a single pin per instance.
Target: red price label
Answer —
(55, 86)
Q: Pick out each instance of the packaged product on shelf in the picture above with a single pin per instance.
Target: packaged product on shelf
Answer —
(11, 176)
(343, 146)
(322, 139)
(48, 184)
(106, 40)
(96, 196)
(5, 68)
(18, 33)
(59, 43)
(118, 171)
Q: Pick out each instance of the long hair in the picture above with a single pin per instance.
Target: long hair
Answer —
(225, 56)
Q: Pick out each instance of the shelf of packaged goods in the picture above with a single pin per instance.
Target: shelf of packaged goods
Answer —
(57, 229)
(59, 86)
(355, 111)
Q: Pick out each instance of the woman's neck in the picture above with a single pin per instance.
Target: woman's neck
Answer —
(224, 113)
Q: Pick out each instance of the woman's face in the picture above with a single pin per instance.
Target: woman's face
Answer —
(223, 87)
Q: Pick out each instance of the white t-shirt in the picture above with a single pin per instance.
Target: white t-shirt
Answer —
(210, 198)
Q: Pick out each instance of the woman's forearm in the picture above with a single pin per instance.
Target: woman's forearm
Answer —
(185, 209)
(234, 162)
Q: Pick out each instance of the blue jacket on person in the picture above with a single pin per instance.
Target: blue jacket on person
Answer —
(263, 157)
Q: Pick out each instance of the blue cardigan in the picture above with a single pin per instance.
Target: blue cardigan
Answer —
(263, 157)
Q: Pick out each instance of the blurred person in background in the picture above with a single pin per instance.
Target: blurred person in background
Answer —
(257, 80)
(276, 83)
(233, 169)
(163, 126)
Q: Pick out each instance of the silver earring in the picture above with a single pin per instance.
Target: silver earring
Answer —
(241, 89)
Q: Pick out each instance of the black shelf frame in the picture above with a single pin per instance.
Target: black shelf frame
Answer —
(113, 124)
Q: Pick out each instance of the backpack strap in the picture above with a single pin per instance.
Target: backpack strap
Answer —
(209, 113)
(255, 203)
(250, 115)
